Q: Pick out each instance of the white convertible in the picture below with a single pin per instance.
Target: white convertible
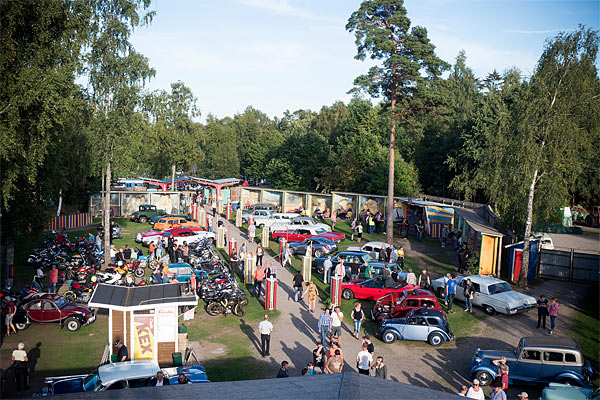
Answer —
(179, 234)
(492, 294)
(298, 222)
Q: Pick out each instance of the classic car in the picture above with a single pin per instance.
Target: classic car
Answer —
(320, 246)
(398, 304)
(537, 359)
(353, 257)
(492, 294)
(257, 216)
(424, 324)
(145, 212)
(561, 391)
(298, 235)
(173, 222)
(274, 218)
(154, 220)
(371, 289)
(373, 249)
(56, 311)
(299, 222)
(180, 234)
(184, 272)
(122, 375)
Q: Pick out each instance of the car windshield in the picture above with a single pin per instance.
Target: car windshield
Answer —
(499, 288)
(92, 382)
(60, 302)
(320, 230)
(367, 258)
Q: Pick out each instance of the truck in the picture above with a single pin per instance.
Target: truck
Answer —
(145, 212)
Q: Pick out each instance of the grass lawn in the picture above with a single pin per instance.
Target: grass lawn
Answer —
(587, 328)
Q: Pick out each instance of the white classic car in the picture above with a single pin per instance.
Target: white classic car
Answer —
(492, 294)
(373, 249)
(274, 218)
(298, 222)
(179, 234)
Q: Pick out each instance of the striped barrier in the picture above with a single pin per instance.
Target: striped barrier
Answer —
(70, 221)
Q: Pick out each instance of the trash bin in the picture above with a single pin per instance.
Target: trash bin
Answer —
(113, 358)
(177, 359)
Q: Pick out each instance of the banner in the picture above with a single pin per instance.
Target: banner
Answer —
(143, 342)
(166, 326)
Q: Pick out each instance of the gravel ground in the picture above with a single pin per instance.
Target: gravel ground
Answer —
(588, 243)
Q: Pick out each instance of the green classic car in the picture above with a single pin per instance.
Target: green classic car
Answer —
(145, 212)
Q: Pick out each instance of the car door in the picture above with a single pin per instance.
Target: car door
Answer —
(528, 367)
(552, 364)
(416, 328)
(34, 311)
(372, 290)
(478, 297)
(460, 293)
(50, 312)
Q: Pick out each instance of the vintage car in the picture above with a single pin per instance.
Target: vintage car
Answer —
(299, 222)
(145, 212)
(300, 234)
(538, 360)
(274, 218)
(425, 325)
(184, 272)
(56, 311)
(154, 220)
(353, 257)
(561, 391)
(373, 249)
(492, 294)
(371, 289)
(173, 222)
(320, 246)
(257, 216)
(122, 375)
(180, 234)
(398, 304)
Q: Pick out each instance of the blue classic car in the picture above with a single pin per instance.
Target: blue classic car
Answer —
(184, 272)
(423, 324)
(352, 257)
(560, 391)
(537, 359)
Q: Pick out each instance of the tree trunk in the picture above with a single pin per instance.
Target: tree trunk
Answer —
(173, 178)
(389, 231)
(525, 260)
(106, 218)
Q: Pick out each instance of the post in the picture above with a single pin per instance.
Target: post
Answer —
(238, 217)
(282, 244)
(202, 217)
(306, 268)
(249, 268)
(571, 262)
(265, 237)
(271, 294)
(219, 206)
(221, 237)
(336, 290)
(228, 212)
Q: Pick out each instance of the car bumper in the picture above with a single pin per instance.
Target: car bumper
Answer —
(132, 218)
(520, 309)
(90, 320)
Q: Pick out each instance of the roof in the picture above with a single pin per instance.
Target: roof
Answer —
(551, 341)
(127, 369)
(348, 385)
(477, 223)
(427, 311)
(141, 297)
(489, 280)
(194, 179)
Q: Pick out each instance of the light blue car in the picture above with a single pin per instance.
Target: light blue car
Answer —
(560, 391)
(184, 272)
(423, 324)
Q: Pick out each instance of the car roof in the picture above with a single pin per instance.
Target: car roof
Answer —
(177, 265)
(352, 252)
(551, 341)
(147, 205)
(127, 370)
(418, 293)
(379, 244)
(426, 312)
(483, 279)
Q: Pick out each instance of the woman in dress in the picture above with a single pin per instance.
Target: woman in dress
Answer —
(312, 292)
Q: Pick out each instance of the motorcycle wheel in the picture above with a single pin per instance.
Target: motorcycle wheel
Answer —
(139, 273)
(239, 309)
(215, 309)
(70, 296)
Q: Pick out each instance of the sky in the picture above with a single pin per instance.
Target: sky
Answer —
(278, 55)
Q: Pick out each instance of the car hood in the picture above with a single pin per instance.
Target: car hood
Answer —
(353, 248)
(151, 233)
(497, 354)
(514, 298)
(559, 391)
(70, 384)
(74, 309)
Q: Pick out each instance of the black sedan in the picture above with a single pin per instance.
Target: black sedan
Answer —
(320, 246)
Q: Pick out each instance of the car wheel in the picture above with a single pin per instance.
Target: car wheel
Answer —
(72, 324)
(389, 337)
(142, 220)
(318, 253)
(435, 339)
(489, 310)
(139, 273)
(261, 226)
(568, 381)
(347, 294)
(440, 293)
(484, 378)
(21, 325)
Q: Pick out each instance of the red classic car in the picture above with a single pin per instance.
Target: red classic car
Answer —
(397, 305)
(371, 289)
(300, 234)
(53, 311)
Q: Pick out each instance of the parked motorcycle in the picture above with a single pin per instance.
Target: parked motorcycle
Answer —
(79, 293)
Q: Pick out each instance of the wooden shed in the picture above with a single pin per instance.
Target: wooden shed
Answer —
(144, 317)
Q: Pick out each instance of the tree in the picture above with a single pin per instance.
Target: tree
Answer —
(220, 147)
(408, 64)
(116, 74)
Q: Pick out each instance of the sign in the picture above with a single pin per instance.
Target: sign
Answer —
(143, 338)
(189, 314)
(166, 326)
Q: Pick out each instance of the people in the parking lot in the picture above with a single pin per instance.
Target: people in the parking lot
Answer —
(451, 291)
(475, 392)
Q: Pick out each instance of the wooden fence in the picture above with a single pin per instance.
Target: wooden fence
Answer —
(70, 221)
(569, 266)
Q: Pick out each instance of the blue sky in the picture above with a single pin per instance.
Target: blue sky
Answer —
(279, 55)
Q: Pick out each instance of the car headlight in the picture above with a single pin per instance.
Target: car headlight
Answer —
(478, 360)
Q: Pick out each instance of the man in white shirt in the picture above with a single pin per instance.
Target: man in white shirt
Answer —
(339, 269)
(327, 270)
(336, 324)
(411, 278)
(364, 360)
(265, 328)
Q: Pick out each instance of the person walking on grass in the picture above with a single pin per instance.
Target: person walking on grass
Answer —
(265, 328)
(553, 314)
(359, 232)
(353, 229)
(313, 293)
(324, 325)
(451, 292)
(357, 316)
(333, 220)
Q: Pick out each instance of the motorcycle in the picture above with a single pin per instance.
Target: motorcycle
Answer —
(228, 303)
(84, 272)
(78, 294)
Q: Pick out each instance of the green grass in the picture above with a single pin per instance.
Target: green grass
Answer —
(587, 327)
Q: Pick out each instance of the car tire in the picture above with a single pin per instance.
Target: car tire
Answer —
(142, 220)
(389, 337)
(568, 381)
(318, 253)
(484, 378)
(21, 326)
(347, 294)
(435, 339)
(139, 273)
(72, 324)
(440, 293)
(261, 226)
(489, 310)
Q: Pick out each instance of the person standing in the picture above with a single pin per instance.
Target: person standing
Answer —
(327, 270)
(364, 361)
(265, 328)
(446, 279)
(369, 343)
(251, 232)
(354, 269)
(475, 392)
(451, 292)
(287, 258)
(468, 292)
(234, 260)
(357, 316)
(151, 250)
(283, 371)
(381, 369)
(38, 279)
(444, 235)
(371, 224)
(424, 280)
(497, 392)
(260, 252)
(298, 285)
(335, 364)
(122, 353)
(319, 357)
(271, 270)
(387, 277)
(21, 370)
(420, 227)
(324, 325)
(312, 292)
(69, 276)
(406, 226)
(368, 270)
(10, 310)
(259, 276)
(411, 278)
(353, 228)
(333, 220)
(52, 279)
(553, 311)
(337, 317)
(388, 253)
(542, 308)
(359, 232)
(381, 254)
(400, 260)
(98, 243)
(214, 208)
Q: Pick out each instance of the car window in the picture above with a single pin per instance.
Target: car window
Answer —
(48, 306)
(433, 321)
(427, 303)
(162, 221)
(366, 257)
(554, 356)
(412, 303)
(118, 385)
(320, 230)
(420, 321)
(137, 383)
(570, 357)
(530, 355)
(36, 305)
(182, 221)
(499, 288)
(367, 248)
(369, 284)
(476, 287)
